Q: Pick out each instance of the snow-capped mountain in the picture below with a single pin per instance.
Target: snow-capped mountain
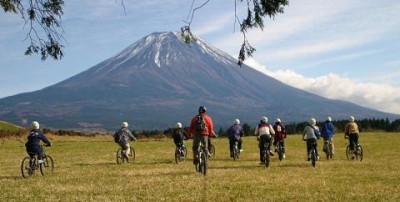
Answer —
(160, 80)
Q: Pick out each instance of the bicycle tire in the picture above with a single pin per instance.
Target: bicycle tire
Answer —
(313, 157)
(47, 167)
(177, 155)
(26, 169)
(119, 157)
(235, 152)
(203, 163)
(132, 154)
(348, 152)
(359, 153)
(280, 151)
(266, 158)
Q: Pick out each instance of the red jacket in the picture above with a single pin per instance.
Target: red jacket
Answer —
(209, 126)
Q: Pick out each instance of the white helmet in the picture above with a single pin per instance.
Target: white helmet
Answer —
(329, 118)
(312, 121)
(236, 121)
(278, 120)
(35, 125)
(351, 119)
(264, 119)
(124, 124)
(178, 125)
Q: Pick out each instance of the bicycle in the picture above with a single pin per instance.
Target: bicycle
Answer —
(313, 153)
(122, 158)
(328, 148)
(202, 159)
(29, 165)
(357, 154)
(280, 149)
(236, 151)
(180, 153)
(266, 158)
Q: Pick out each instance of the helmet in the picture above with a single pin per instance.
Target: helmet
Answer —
(264, 119)
(351, 119)
(178, 125)
(202, 109)
(236, 121)
(124, 125)
(329, 118)
(278, 120)
(35, 125)
(312, 121)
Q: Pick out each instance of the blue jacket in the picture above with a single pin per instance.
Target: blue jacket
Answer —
(34, 138)
(328, 130)
(235, 132)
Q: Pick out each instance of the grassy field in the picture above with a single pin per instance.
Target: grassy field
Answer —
(86, 171)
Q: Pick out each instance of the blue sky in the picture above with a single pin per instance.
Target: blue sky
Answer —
(339, 49)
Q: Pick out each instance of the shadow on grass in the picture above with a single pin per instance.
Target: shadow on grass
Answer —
(211, 167)
(95, 164)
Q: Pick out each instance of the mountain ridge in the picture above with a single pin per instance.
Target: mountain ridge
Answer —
(160, 80)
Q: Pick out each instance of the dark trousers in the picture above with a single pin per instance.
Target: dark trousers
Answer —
(263, 140)
(310, 145)
(232, 144)
(353, 140)
(33, 150)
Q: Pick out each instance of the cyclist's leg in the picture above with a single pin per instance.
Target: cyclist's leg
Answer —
(240, 142)
(309, 147)
(261, 145)
(207, 142)
(332, 146)
(196, 140)
(316, 148)
(231, 145)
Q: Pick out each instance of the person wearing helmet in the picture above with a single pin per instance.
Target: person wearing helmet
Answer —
(235, 134)
(327, 133)
(179, 134)
(201, 128)
(280, 134)
(351, 132)
(33, 144)
(311, 134)
(265, 134)
(122, 137)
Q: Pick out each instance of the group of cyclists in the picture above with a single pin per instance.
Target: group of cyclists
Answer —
(201, 129)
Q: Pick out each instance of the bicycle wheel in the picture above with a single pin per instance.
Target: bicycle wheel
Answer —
(47, 167)
(313, 157)
(26, 169)
(203, 163)
(177, 155)
(235, 152)
(132, 154)
(182, 154)
(280, 151)
(328, 153)
(119, 156)
(349, 154)
(359, 153)
(266, 158)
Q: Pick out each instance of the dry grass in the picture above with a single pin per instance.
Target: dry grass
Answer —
(86, 170)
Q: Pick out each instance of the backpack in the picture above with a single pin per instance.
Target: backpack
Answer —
(200, 124)
(120, 137)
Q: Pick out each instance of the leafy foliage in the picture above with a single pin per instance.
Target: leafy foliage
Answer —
(45, 30)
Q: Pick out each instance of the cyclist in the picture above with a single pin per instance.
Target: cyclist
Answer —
(351, 132)
(265, 134)
(122, 137)
(327, 133)
(179, 134)
(235, 132)
(311, 135)
(201, 128)
(280, 135)
(33, 144)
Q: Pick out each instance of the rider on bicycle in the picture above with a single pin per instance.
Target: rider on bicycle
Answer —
(33, 144)
(179, 134)
(311, 135)
(122, 137)
(351, 132)
(280, 135)
(201, 128)
(265, 133)
(327, 133)
(235, 132)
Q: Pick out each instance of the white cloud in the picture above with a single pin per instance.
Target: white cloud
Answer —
(380, 96)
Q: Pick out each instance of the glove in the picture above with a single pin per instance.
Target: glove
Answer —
(48, 145)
